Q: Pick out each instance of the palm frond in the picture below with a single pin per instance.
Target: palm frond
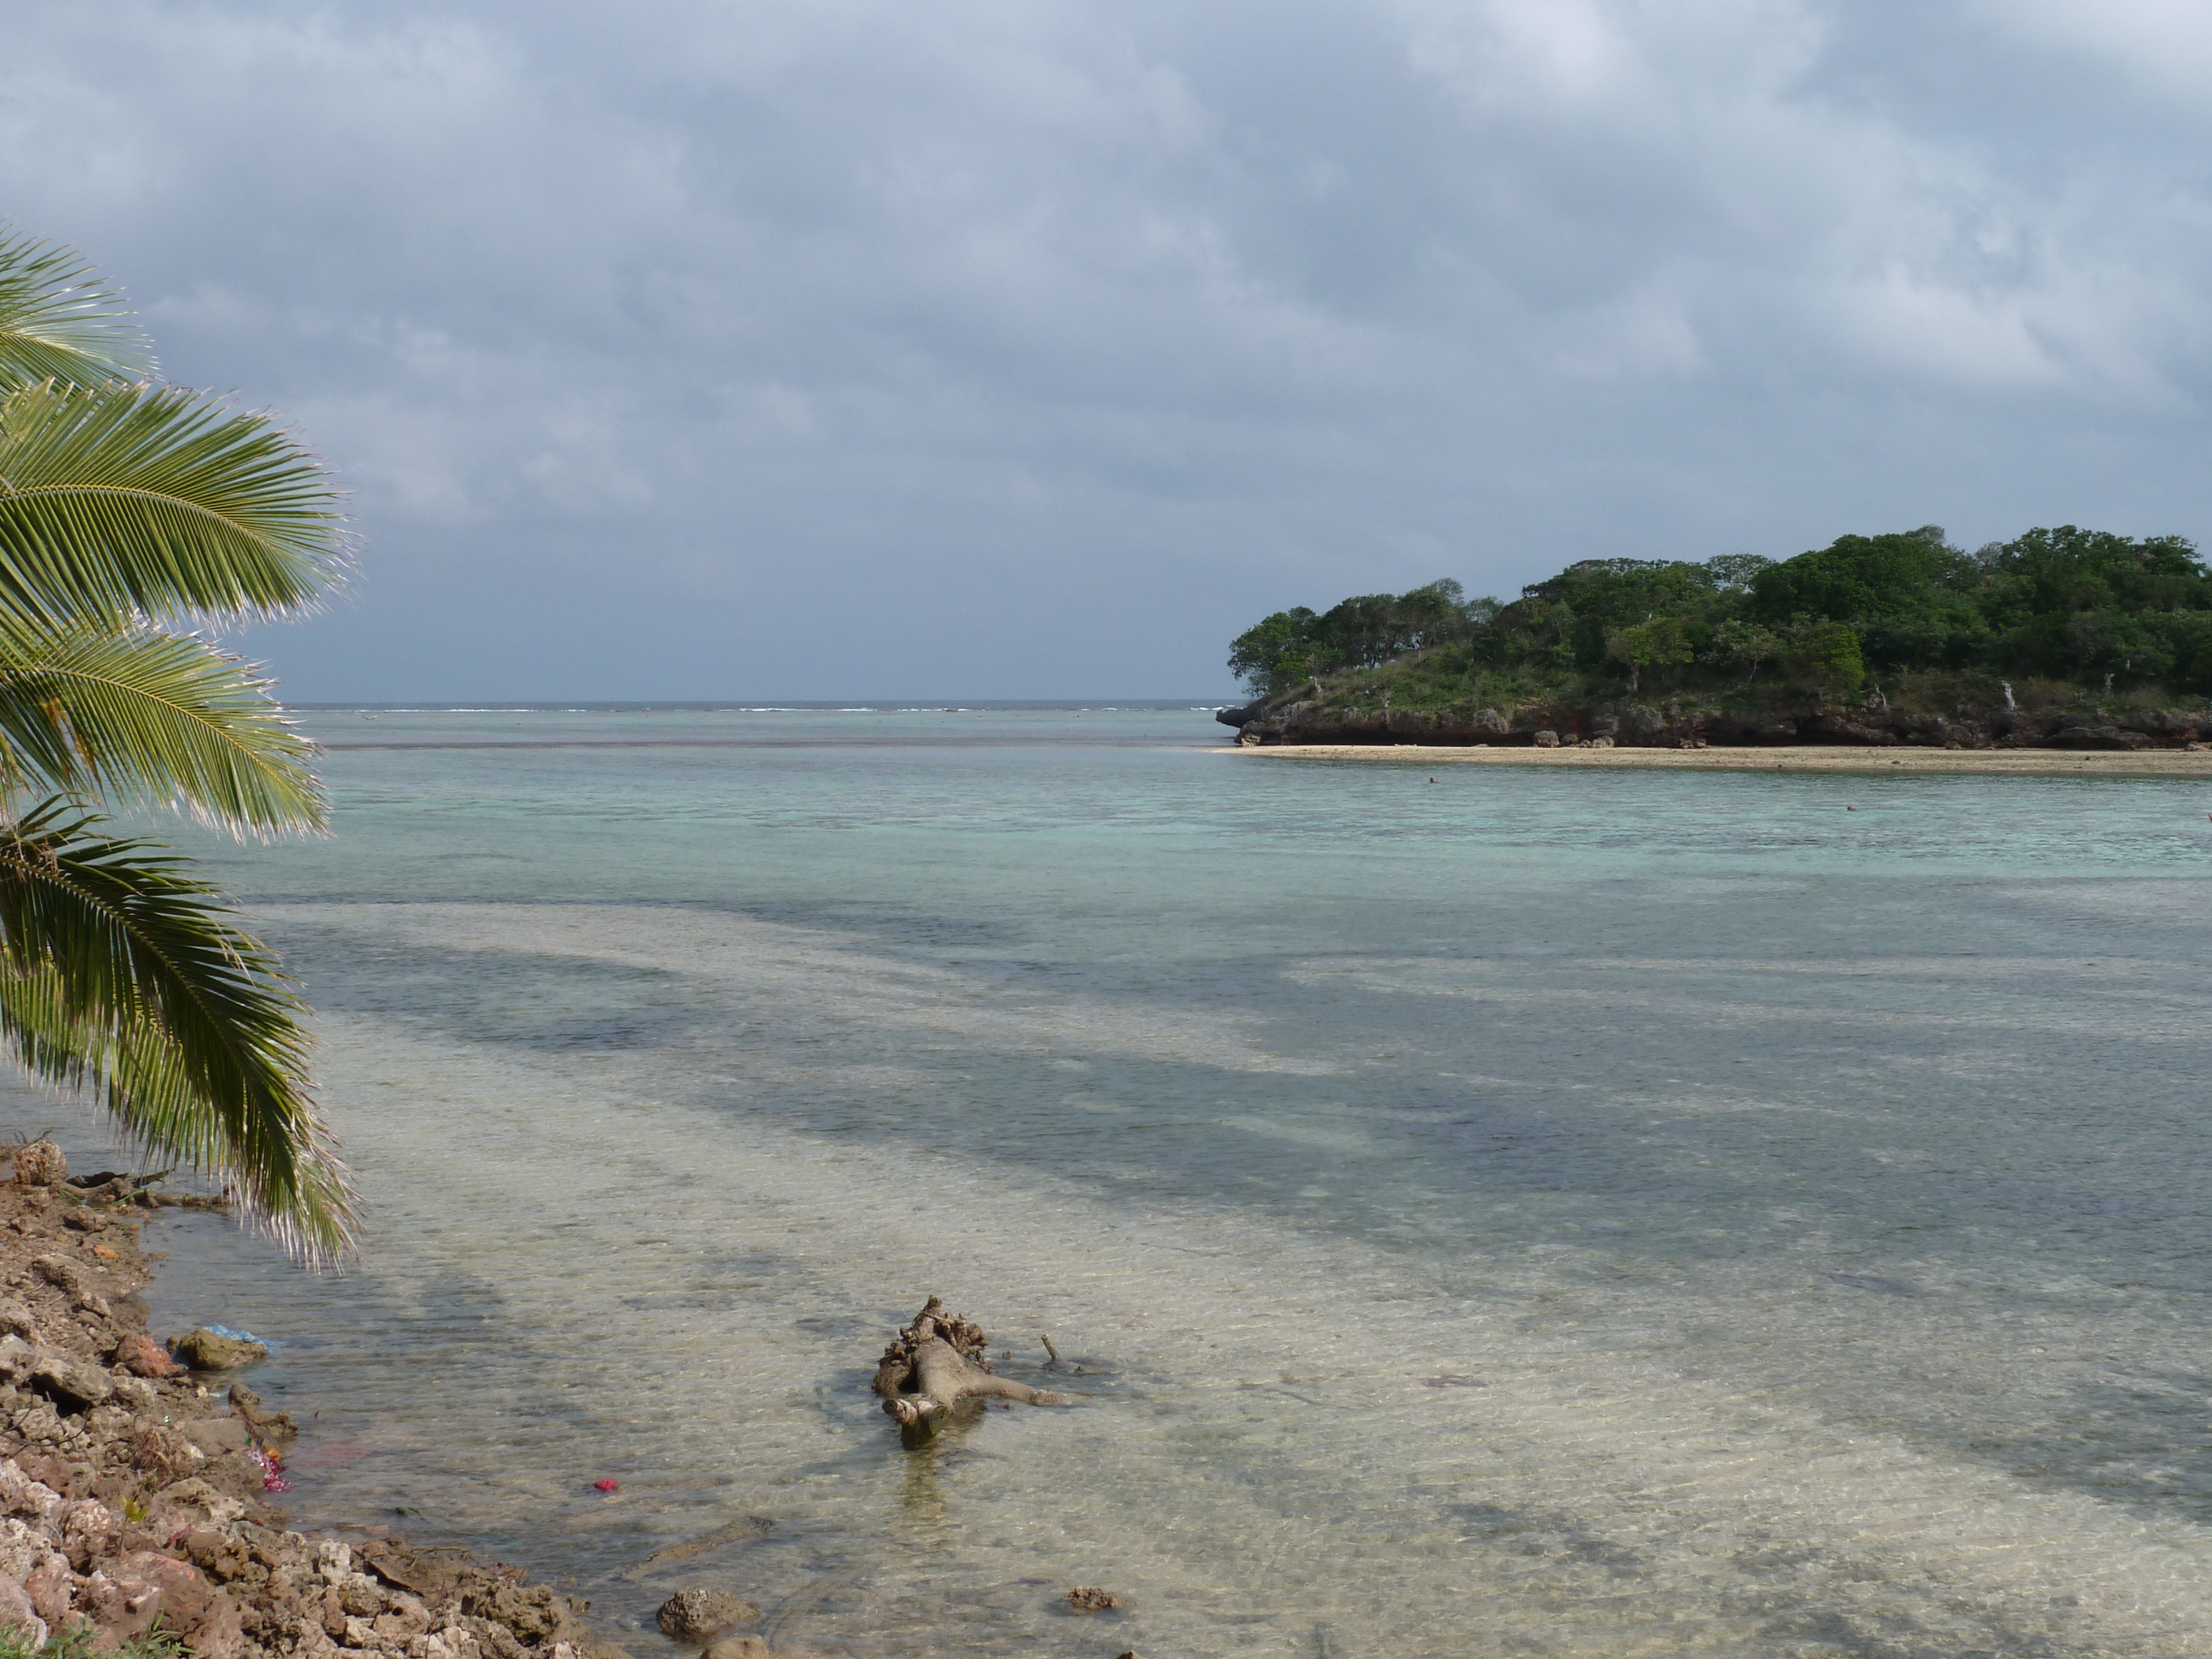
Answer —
(140, 1079)
(125, 972)
(145, 718)
(154, 500)
(59, 320)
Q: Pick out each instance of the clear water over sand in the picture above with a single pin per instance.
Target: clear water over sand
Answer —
(1523, 1213)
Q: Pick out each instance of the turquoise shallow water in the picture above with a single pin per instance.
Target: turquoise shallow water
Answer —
(1527, 1213)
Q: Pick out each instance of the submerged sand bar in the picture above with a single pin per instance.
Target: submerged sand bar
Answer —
(1822, 757)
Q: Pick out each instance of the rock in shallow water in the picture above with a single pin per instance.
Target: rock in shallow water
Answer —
(699, 1615)
(204, 1350)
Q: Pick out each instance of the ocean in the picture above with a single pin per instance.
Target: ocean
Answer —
(1478, 1210)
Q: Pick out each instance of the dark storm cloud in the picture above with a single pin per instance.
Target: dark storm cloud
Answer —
(847, 348)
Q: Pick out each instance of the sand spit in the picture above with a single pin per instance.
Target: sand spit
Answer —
(1977, 763)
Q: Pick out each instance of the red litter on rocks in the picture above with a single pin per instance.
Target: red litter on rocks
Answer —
(272, 1471)
(606, 1485)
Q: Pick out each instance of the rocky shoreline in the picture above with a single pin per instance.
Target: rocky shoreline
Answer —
(135, 1492)
(1676, 724)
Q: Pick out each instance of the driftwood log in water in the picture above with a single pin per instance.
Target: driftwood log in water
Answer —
(937, 1362)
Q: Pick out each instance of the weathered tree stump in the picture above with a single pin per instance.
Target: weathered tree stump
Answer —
(936, 1363)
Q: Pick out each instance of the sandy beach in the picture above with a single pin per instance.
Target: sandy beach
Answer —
(2022, 762)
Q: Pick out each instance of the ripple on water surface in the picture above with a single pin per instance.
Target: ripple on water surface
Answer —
(1549, 1218)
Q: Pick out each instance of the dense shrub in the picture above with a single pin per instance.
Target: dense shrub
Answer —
(2085, 607)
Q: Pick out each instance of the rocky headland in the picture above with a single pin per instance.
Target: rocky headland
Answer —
(138, 1482)
(1687, 724)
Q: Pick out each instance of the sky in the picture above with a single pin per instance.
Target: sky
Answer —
(701, 349)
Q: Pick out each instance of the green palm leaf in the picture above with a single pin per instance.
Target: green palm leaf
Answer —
(145, 718)
(126, 973)
(141, 1079)
(124, 506)
(58, 321)
(118, 501)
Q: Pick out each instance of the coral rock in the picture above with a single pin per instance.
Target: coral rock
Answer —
(699, 1615)
(129, 1593)
(450, 1643)
(17, 1612)
(48, 1587)
(532, 1612)
(214, 1436)
(72, 1384)
(22, 1546)
(40, 1163)
(161, 1451)
(137, 1353)
(60, 1271)
(197, 1494)
(270, 1428)
(204, 1350)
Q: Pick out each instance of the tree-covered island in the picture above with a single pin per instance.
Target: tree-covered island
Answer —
(2063, 637)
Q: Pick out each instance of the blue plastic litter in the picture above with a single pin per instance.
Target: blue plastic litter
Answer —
(240, 1336)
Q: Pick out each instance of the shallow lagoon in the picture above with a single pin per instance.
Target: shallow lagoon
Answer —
(1527, 1213)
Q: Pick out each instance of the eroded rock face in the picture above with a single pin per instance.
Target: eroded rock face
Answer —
(1864, 722)
(2098, 736)
(699, 1615)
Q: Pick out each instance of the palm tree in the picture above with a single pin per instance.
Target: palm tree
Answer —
(131, 511)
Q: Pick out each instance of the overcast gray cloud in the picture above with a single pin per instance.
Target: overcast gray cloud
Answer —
(681, 348)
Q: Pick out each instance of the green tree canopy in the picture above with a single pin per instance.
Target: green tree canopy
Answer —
(1366, 631)
(2065, 603)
